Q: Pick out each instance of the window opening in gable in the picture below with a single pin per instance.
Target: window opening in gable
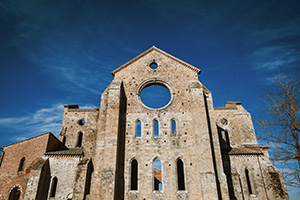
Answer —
(156, 128)
(157, 172)
(248, 181)
(53, 187)
(134, 175)
(173, 127)
(79, 139)
(153, 65)
(138, 128)
(180, 175)
(22, 165)
(15, 194)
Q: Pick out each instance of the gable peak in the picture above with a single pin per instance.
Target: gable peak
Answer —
(154, 48)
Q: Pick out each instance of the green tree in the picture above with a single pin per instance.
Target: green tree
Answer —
(280, 126)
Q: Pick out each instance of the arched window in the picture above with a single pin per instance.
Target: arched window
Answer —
(14, 194)
(173, 127)
(180, 175)
(157, 172)
(156, 128)
(138, 129)
(248, 181)
(22, 165)
(134, 175)
(79, 140)
(53, 187)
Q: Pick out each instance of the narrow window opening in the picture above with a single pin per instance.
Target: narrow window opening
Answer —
(248, 181)
(180, 175)
(53, 187)
(157, 175)
(138, 129)
(22, 165)
(79, 140)
(156, 128)
(89, 178)
(134, 175)
(64, 140)
(14, 194)
(173, 127)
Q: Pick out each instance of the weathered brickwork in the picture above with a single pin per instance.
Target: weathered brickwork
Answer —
(10, 174)
(187, 149)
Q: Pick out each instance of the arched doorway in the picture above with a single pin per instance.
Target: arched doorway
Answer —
(15, 194)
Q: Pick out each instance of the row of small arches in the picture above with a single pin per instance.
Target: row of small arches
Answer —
(157, 175)
(138, 128)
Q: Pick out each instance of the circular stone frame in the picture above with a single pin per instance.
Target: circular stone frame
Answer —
(81, 122)
(155, 81)
(153, 61)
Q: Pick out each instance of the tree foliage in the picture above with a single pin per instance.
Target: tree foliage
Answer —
(280, 127)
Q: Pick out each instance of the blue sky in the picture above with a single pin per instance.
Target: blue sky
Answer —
(62, 52)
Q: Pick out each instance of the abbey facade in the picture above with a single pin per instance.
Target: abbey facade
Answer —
(186, 149)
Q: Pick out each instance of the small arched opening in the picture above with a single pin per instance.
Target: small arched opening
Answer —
(53, 187)
(180, 175)
(15, 194)
(134, 175)
(22, 165)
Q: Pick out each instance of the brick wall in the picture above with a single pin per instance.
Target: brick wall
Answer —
(31, 149)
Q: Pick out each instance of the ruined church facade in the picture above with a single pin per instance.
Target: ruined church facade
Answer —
(187, 149)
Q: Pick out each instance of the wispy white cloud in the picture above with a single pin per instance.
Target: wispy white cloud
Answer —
(274, 58)
(41, 121)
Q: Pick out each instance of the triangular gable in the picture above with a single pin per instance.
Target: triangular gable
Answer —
(153, 48)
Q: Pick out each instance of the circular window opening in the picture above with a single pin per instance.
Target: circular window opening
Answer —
(153, 65)
(155, 96)
(81, 122)
(224, 121)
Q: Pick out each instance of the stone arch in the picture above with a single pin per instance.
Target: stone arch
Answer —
(15, 192)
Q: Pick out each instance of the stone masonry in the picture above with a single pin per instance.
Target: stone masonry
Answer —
(112, 152)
